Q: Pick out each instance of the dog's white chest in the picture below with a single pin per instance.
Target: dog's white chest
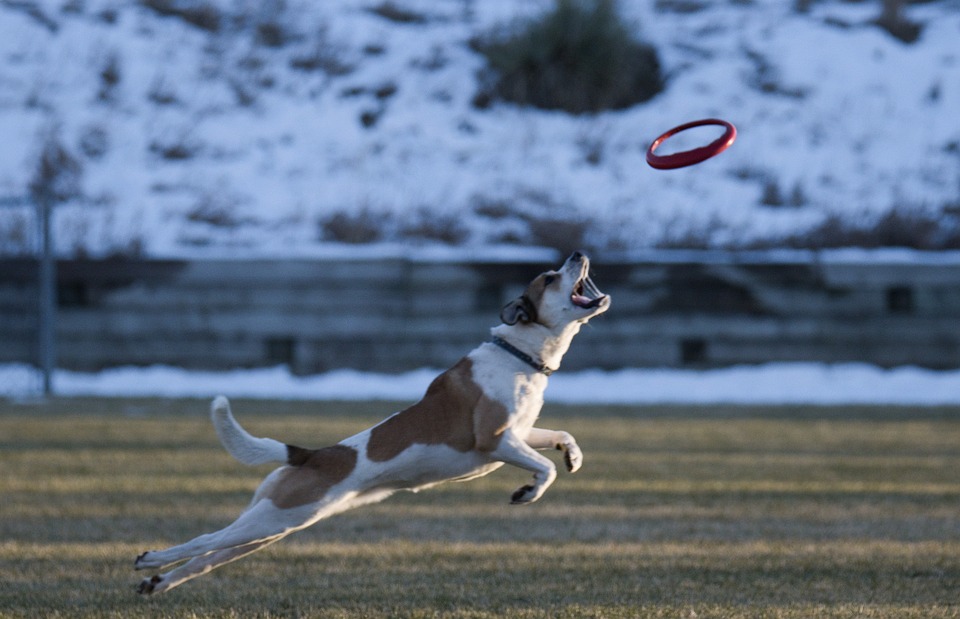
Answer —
(507, 382)
(528, 400)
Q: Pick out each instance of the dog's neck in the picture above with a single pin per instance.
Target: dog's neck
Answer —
(539, 342)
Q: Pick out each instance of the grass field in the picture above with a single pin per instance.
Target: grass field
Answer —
(700, 512)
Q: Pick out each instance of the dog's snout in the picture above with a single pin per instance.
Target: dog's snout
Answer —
(576, 256)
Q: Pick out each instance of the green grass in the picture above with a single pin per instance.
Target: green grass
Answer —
(706, 512)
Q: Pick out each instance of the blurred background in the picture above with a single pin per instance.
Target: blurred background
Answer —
(223, 184)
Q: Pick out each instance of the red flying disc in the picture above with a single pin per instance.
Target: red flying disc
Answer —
(696, 155)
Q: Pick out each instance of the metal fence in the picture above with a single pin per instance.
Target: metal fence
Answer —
(691, 310)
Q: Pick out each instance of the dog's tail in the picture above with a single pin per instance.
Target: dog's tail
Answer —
(239, 443)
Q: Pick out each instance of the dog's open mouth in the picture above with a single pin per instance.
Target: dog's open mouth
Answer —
(586, 294)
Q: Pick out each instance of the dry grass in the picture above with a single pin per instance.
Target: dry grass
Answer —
(708, 512)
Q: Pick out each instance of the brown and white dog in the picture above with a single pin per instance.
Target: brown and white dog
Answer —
(475, 417)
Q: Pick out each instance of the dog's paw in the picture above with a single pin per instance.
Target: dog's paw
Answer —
(148, 586)
(572, 456)
(143, 561)
(523, 495)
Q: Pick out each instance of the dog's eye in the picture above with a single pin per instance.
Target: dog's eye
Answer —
(549, 279)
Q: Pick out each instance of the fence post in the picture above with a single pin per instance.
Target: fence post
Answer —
(47, 287)
(46, 283)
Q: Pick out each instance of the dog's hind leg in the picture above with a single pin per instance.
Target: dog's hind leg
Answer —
(198, 566)
(262, 522)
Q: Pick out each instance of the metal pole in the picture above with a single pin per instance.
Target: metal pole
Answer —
(47, 290)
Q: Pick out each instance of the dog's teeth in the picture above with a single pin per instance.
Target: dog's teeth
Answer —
(592, 288)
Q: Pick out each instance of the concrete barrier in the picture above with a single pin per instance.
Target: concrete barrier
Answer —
(694, 309)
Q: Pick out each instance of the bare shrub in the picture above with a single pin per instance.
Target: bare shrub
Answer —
(899, 227)
(680, 6)
(322, 53)
(110, 76)
(893, 21)
(217, 209)
(773, 196)
(766, 77)
(579, 57)
(162, 93)
(535, 218)
(94, 141)
(270, 34)
(197, 13)
(58, 174)
(364, 225)
(397, 14)
(427, 225)
(174, 150)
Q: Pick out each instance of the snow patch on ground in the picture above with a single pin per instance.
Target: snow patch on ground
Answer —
(773, 384)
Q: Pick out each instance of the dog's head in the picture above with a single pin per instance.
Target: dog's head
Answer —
(557, 298)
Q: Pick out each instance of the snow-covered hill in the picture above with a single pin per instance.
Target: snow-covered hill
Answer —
(278, 127)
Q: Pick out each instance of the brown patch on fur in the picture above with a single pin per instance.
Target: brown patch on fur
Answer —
(538, 286)
(316, 472)
(453, 412)
(490, 421)
(525, 308)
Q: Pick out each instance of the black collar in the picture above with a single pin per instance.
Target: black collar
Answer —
(522, 356)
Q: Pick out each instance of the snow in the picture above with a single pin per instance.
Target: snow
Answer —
(832, 112)
(770, 385)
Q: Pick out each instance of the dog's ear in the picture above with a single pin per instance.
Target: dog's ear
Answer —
(520, 309)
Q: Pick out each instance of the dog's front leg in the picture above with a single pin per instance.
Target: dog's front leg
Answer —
(540, 438)
(514, 450)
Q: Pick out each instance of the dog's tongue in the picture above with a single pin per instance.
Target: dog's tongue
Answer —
(586, 302)
(579, 299)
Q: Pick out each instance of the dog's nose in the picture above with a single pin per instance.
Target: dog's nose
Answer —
(577, 256)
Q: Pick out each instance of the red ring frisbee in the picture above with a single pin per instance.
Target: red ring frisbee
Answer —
(693, 156)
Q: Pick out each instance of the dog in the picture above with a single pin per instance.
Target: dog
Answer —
(474, 418)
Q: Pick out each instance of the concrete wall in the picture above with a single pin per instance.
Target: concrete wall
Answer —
(698, 310)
